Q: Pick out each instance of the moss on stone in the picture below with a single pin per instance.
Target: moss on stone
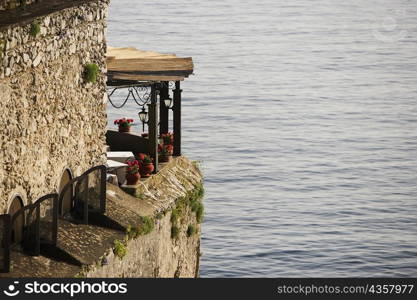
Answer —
(199, 211)
(119, 249)
(35, 28)
(91, 73)
(191, 230)
(174, 232)
(140, 196)
(193, 200)
(146, 227)
(2, 47)
(175, 216)
(148, 224)
(84, 271)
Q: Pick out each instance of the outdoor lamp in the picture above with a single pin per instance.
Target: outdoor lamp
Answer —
(168, 102)
(143, 117)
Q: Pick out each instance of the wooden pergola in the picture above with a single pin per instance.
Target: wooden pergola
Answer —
(130, 67)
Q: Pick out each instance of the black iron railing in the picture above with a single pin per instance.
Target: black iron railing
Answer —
(5, 233)
(39, 220)
(89, 194)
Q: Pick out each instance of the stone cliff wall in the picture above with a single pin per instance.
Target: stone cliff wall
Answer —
(52, 118)
(172, 201)
(153, 234)
(12, 4)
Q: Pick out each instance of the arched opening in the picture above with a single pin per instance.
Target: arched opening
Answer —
(17, 228)
(67, 199)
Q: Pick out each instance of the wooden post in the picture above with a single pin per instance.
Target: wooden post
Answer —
(177, 119)
(163, 110)
(153, 127)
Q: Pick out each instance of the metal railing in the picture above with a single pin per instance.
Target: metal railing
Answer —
(40, 219)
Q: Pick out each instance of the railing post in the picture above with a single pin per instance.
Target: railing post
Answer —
(163, 110)
(153, 127)
(6, 243)
(86, 201)
(38, 228)
(56, 205)
(177, 119)
(103, 187)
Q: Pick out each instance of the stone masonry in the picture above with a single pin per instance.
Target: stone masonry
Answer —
(51, 118)
(12, 4)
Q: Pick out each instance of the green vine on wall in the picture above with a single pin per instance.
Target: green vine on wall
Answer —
(193, 200)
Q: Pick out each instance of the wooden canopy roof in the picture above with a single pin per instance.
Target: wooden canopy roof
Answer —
(130, 64)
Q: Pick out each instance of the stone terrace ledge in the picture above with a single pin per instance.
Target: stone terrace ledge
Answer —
(84, 245)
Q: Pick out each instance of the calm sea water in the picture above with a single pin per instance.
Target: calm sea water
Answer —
(304, 115)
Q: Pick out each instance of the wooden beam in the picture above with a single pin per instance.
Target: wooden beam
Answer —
(163, 110)
(177, 119)
(151, 65)
(116, 76)
(153, 127)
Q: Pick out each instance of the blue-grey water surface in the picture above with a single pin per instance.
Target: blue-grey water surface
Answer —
(304, 115)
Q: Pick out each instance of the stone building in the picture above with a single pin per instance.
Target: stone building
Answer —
(53, 116)
(53, 143)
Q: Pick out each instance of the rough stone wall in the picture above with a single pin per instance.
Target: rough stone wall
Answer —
(11, 4)
(156, 255)
(52, 119)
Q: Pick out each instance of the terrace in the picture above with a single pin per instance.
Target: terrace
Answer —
(63, 229)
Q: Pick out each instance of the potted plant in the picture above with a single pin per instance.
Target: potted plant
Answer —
(167, 138)
(124, 124)
(132, 172)
(165, 152)
(146, 165)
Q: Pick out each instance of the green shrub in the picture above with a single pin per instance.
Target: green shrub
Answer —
(119, 249)
(198, 208)
(91, 73)
(174, 216)
(148, 225)
(199, 214)
(190, 230)
(35, 28)
(174, 232)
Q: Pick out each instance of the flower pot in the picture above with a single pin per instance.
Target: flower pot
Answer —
(146, 170)
(124, 128)
(132, 179)
(165, 158)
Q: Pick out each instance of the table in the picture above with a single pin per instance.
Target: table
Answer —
(117, 168)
